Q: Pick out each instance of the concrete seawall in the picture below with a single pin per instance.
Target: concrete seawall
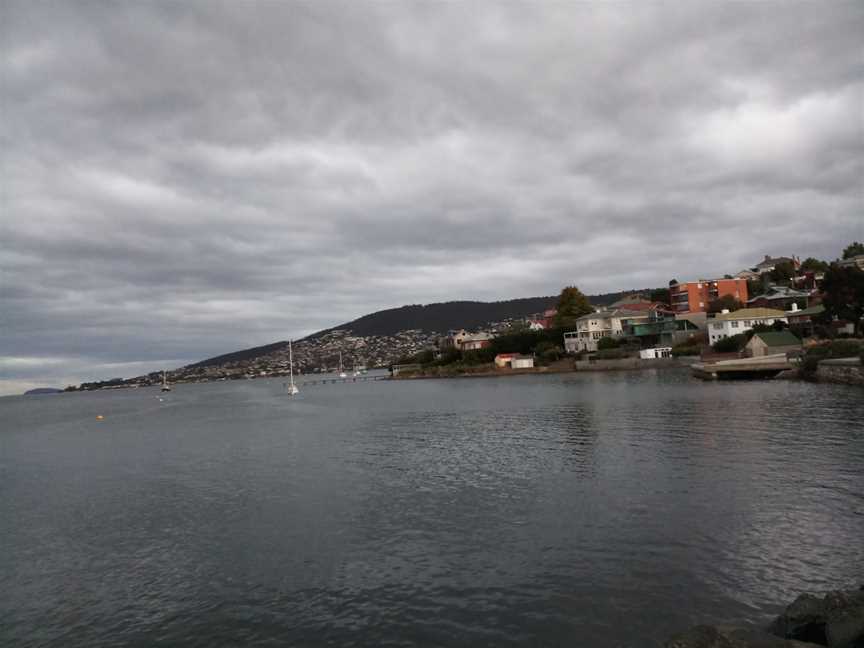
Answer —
(634, 363)
(844, 371)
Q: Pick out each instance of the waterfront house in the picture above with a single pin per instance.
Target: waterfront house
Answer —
(592, 327)
(727, 324)
(694, 296)
(660, 328)
(476, 341)
(772, 343)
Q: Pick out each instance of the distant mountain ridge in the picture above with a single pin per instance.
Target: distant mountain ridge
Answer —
(439, 318)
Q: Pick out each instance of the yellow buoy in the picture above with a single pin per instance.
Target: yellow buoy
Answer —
(99, 417)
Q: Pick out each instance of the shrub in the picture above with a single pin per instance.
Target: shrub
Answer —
(812, 356)
(730, 344)
(845, 348)
(685, 350)
(611, 354)
(606, 343)
(832, 349)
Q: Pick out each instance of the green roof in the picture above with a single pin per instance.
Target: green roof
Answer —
(813, 310)
(778, 338)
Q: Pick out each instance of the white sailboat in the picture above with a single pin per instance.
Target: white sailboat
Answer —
(342, 373)
(165, 385)
(292, 388)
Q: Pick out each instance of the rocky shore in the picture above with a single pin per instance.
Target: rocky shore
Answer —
(835, 619)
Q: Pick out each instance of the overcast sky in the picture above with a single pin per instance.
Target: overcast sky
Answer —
(181, 180)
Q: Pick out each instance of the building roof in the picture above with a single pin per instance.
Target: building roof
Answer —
(617, 312)
(781, 292)
(778, 338)
(751, 313)
(639, 306)
(813, 310)
(772, 261)
(747, 274)
(477, 337)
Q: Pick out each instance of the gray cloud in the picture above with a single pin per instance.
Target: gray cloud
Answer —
(185, 179)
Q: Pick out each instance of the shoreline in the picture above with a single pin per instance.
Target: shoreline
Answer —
(561, 367)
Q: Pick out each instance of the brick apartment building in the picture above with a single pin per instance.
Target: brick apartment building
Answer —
(694, 296)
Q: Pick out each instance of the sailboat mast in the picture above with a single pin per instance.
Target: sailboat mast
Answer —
(291, 362)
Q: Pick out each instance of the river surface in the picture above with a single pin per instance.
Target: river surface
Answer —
(605, 509)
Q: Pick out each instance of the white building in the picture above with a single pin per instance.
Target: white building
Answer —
(522, 362)
(594, 326)
(656, 352)
(727, 324)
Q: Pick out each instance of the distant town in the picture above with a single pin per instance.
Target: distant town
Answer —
(780, 313)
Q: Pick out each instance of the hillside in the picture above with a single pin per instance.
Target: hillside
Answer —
(431, 318)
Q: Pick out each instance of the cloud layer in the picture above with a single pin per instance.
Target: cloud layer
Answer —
(184, 179)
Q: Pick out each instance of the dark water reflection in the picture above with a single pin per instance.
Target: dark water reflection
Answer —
(599, 510)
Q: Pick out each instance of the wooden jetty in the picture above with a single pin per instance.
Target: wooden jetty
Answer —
(742, 368)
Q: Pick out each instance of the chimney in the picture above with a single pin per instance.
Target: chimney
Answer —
(767, 257)
(794, 307)
(725, 311)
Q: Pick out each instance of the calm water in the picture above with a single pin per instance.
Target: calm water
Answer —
(592, 510)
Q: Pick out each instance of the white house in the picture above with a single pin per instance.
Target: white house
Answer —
(590, 328)
(727, 324)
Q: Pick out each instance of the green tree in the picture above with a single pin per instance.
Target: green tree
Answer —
(852, 250)
(843, 294)
(783, 271)
(730, 344)
(605, 343)
(572, 304)
(660, 295)
(727, 302)
(814, 265)
(518, 326)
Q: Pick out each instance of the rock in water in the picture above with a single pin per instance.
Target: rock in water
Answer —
(705, 636)
(845, 619)
(836, 620)
(804, 619)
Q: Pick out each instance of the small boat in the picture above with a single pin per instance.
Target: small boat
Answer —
(165, 385)
(292, 388)
(342, 373)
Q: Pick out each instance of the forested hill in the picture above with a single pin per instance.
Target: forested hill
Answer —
(439, 318)
(444, 316)
(469, 315)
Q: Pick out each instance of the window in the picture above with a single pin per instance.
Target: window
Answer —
(747, 323)
(734, 324)
(717, 327)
